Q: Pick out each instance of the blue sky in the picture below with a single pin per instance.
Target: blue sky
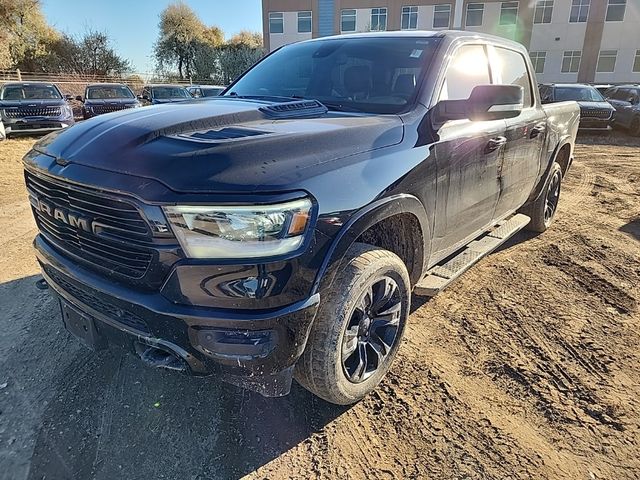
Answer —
(133, 24)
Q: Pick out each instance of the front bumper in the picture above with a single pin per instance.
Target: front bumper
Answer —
(593, 124)
(35, 127)
(255, 349)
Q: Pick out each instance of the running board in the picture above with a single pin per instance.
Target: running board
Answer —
(443, 274)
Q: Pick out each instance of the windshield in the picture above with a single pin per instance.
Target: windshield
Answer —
(579, 94)
(108, 91)
(163, 93)
(30, 92)
(376, 75)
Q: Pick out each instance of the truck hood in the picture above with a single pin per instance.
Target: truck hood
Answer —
(222, 145)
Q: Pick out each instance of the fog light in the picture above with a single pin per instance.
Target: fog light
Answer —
(237, 343)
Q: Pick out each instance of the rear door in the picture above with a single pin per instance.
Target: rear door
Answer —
(525, 134)
(468, 155)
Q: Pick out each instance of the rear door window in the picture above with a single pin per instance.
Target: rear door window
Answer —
(510, 68)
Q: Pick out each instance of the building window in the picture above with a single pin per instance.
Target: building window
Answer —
(636, 62)
(276, 22)
(442, 16)
(571, 61)
(474, 14)
(615, 10)
(304, 22)
(508, 13)
(579, 11)
(607, 61)
(348, 21)
(378, 19)
(538, 59)
(543, 11)
(409, 18)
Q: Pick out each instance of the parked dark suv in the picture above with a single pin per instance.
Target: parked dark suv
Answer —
(102, 98)
(626, 100)
(595, 112)
(30, 108)
(281, 229)
(159, 94)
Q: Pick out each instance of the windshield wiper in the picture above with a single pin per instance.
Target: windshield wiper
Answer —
(335, 106)
(266, 97)
(339, 107)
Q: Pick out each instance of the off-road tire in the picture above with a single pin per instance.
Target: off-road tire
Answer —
(536, 209)
(320, 369)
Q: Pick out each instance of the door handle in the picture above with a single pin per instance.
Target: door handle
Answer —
(537, 130)
(494, 144)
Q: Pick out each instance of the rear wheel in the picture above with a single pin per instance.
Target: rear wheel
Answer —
(543, 210)
(358, 328)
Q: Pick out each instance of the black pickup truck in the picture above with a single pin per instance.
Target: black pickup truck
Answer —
(280, 229)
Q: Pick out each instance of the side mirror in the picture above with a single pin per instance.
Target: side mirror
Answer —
(486, 102)
(633, 100)
(68, 97)
(79, 98)
(146, 97)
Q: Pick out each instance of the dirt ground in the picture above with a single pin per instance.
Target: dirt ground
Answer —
(528, 367)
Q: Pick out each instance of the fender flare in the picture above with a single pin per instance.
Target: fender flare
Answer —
(365, 218)
(564, 140)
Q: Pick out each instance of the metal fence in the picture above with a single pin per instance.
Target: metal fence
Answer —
(74, 84)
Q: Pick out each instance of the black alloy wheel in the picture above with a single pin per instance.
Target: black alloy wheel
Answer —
(372, 330)
(553, 196)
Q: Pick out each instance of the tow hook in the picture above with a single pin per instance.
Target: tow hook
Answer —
(42, 284)
(158, 358)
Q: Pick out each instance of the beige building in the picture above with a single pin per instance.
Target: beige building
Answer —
(568, 40)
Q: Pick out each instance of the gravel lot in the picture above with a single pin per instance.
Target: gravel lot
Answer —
(528, 367)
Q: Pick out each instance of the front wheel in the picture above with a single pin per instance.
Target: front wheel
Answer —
(358, 327)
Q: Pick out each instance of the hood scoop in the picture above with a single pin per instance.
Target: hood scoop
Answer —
(223, 135)
(297, 109)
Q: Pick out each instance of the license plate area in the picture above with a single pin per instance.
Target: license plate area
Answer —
(81, 326)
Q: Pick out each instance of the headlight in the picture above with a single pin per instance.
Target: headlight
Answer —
(67, 111)
(240, 231)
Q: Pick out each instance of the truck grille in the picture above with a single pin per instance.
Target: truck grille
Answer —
(602, 114)
(115, 236)
(21, 112)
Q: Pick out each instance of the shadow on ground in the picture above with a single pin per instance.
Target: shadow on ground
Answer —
(632, 228)
(76, 414)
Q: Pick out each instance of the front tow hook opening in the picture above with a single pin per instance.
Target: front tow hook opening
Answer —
(159, 358)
